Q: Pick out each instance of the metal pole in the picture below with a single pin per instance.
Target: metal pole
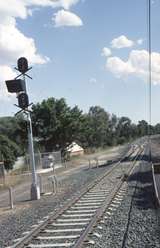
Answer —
(150, 75)
(35, 192)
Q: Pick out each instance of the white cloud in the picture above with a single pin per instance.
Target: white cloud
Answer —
(18, 8)
(106, 52)
(13, 43)
(140, 41)
(13, 8)
(66, 18)
(118, 67)
(93, 80)
(121, 42)
(66, 4)
(6, 73)
(137, 65)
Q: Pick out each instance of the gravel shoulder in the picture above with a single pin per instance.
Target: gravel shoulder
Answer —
(138, 204)
(135, 223)
(145, 217)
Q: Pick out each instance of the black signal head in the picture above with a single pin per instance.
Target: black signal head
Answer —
(22, 65)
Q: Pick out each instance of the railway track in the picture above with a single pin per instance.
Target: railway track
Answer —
(72, 224)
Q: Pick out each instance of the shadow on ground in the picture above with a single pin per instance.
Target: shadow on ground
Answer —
(144, 197)
(143, 157)
(155, 159)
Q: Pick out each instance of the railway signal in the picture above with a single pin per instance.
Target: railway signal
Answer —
(18, 86)
(22, 64)
(23, 101)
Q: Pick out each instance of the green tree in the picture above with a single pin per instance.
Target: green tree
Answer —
(124, 130)
(142, 128)
(9, 151)
(157, 128)
(99, 126)
(55, 123)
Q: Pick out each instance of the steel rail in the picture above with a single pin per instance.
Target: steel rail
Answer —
(104, 207)
(23, 242)
(129, 213)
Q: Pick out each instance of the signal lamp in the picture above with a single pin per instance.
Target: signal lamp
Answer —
(22, 65)
(23, 100)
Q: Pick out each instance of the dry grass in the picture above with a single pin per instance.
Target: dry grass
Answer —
(21, 175)
(13, 180)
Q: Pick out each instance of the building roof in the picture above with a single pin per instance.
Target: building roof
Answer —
(74, 147)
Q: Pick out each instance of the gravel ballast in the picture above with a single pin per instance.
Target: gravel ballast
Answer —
(14, 222)
(136, 221)
(133, 224)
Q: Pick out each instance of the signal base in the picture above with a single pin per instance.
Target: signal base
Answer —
(35, 192)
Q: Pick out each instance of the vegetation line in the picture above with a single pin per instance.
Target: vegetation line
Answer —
(56, 125)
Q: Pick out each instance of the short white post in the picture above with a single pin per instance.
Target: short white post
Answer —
(53, 169)
(55, 184)
(89, 161)
(65, 164)
(40, 184)
(10, 198)
(97, 164)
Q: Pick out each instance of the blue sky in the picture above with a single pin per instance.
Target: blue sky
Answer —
(65, 44)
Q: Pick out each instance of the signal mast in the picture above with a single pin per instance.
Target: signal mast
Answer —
(18, 86)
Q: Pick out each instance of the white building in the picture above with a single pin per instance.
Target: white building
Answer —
(74, 149)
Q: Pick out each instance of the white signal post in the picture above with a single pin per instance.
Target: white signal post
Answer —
(18, 86)
(35, 190)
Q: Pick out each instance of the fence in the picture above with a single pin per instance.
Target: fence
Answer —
(48, 181)
(45, 163)
(20, 179)
(45, 160)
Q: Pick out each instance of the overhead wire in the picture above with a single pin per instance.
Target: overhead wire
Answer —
(149, 74)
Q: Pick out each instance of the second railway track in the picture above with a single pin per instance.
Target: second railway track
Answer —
(71, 225)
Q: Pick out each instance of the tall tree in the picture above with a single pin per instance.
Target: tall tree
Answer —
(99, 124)
(124, 129)
(142, 128)
(55, 123)
(9, 151)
